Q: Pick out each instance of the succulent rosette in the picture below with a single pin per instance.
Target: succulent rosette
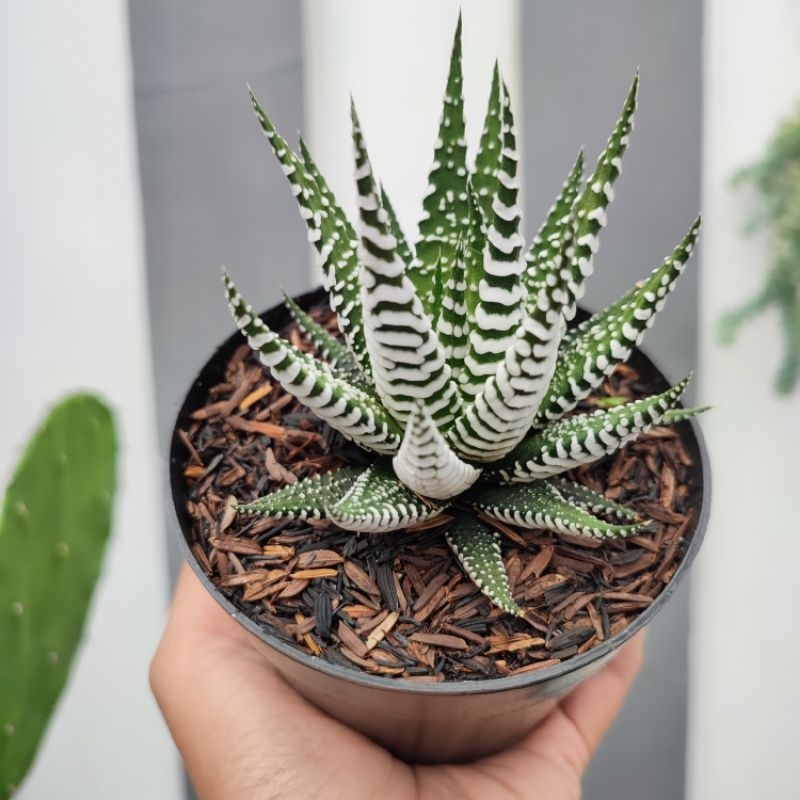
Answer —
(456, 367)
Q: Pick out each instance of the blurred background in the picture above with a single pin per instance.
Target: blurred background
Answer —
(131, 168)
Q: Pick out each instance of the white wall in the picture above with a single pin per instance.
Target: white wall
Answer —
(73, 315)
(745, 703)
(394, 59)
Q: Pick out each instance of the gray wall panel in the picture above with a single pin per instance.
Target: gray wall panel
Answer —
(579, 59)
(212, 192)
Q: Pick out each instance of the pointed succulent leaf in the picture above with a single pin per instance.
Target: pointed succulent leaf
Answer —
(408, 363)
(676, 415)
(591, 501)
(377, 502)
(501, 293)
(332, 349)
(341, 404)
(492, 425)
(445, 204)
(474, 247)
(329, 232)
(451, 322)
(488, 160)
(499, 417)
(426, 464)
(309, 498)
(583, 438)
(590, 207)
(328, 199)
(477, 547)
(541, 505)
(591, 352)
(403, 250)
(549, 243)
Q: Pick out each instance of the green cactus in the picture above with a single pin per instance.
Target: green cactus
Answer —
(455, 367)
(54, 526)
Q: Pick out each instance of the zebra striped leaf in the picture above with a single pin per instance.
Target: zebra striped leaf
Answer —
(444, 208)
(591, 352)
(541, 505)
(583, 438)
(408, 363)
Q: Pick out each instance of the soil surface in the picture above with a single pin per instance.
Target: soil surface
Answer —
(399, 604)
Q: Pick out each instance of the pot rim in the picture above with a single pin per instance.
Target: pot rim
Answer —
(399, 685)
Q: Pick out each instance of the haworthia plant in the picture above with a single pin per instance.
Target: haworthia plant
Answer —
(55, 522)
(455, 366)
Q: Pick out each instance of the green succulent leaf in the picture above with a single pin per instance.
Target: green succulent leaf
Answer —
(377, 502)
(501, 294)
(445, 205)
(329, 231)
(408, 363)
(593, 502)
(583, 438)
(676, 415)
(343, 405)
(474, 248)
(548, 249)
(592, 351)
(332, 349)
(541, 505)
(499, 417)
(309, 498)
(426, 464)
(452, 323)
(477, 547)
(590, 207)
(489, 158)
(402, 248)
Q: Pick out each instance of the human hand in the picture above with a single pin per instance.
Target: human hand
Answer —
(244, 733)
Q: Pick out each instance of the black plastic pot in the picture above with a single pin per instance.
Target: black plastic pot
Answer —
(431, 723)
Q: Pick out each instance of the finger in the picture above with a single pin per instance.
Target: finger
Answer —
(594, 705)
(233, 718)
(573, 731)
(550, 761)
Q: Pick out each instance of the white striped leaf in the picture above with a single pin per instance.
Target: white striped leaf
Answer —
(403, 249)
(307, 499)
(376, 502)
(328, 231)
(590, 207)
(408, 363)
(548, 248)
(489, 159)
(501, 294)
(541, 505)
(333, 350)
(583, 438)
(343, 405)
(426, 464)
(591, 352)
(589, 500)
(444, 208)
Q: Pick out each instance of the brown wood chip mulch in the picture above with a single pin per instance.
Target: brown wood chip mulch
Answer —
(399, 604)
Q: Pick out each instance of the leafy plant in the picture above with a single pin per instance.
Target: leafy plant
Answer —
(54, 526)
(456, 368)
(777, 180)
